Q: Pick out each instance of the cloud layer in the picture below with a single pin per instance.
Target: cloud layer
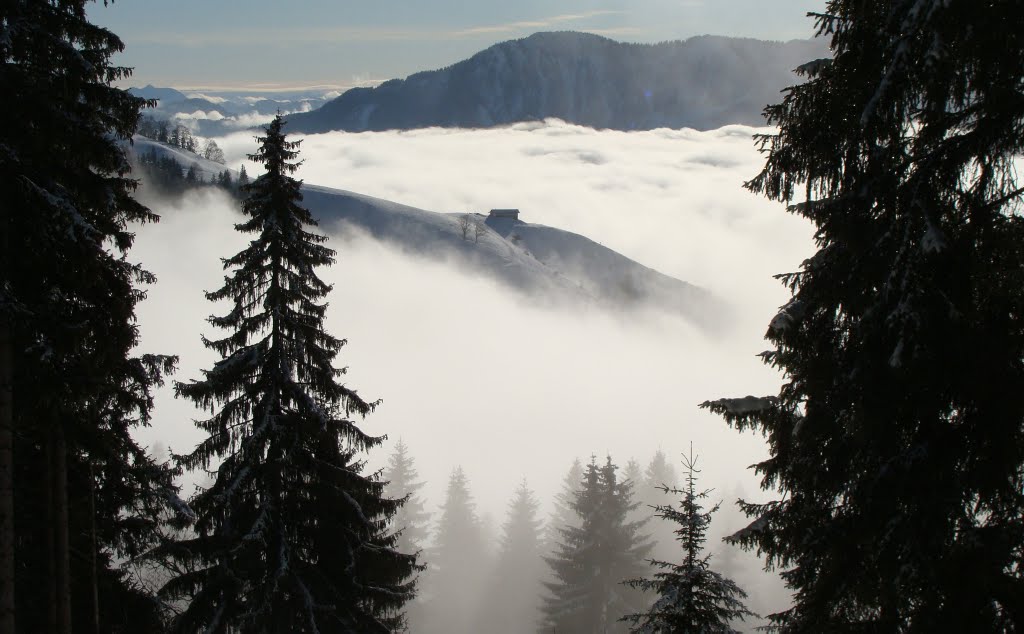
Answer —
(470, 374)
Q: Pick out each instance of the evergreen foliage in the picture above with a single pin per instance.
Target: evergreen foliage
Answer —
(660, 473)
(457, 562)
(291, 536)
(596, 557)
(690, 596)
(411, 520)
(513, 599)
(85, 494)
(650, 493)
(180, 136)
(563, 516)
(164, 175)
(633, 474)
(897, 438)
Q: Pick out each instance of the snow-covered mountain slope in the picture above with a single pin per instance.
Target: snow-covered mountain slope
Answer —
(704, 83)
(204, 167)
(439, 235)
(607, 273)
(548, 265)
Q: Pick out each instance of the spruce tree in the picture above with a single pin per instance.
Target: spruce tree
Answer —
(411, 520)
(659, 474)
(563, 515)
(457, 562)
(513, 598)
(691, 597)
(77, 493)
(897, 438)
(292, 535)
(596, 557)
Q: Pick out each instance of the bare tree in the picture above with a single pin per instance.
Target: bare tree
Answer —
(479, 229)
(213, 152)
(464, 224)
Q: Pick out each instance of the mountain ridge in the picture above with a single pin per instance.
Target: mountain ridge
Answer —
(703, 82)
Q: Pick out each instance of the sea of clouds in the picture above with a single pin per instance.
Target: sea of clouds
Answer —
(472, 374)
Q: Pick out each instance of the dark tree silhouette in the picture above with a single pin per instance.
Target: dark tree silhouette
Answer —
(897, 438)
(291, 536)
(596, 557)
(76, 492)
(691, 597)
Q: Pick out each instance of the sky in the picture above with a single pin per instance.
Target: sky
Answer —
(263, 44)
(473, 374)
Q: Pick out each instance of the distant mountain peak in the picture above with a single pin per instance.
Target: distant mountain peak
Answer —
(704, 82)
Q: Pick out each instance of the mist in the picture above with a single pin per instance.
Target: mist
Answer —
(473, 374)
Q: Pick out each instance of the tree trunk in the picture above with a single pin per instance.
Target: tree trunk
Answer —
(7, 534)
(62, 579)
(93, 552)
(51, 532)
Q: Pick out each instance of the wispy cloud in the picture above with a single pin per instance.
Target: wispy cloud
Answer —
(543, 23)
(280, 36)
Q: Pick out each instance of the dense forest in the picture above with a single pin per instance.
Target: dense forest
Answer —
(895, 443)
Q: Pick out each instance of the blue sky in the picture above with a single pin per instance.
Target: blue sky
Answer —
(262, 43)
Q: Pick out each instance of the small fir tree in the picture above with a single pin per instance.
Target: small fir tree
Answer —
(411, 520)
(291, 536)
(691, 597)
(596, 557)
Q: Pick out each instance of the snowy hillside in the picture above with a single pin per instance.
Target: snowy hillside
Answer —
(548, 264)
(207, 169)
(607, 273)
(703, 83)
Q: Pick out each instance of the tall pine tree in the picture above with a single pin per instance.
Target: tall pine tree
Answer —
(897, 438)
(562, 515)
(77, 493)
(411, 520)
(291, 536)
(512, 602)
(596, 557)
(691, 597)
(457, 562)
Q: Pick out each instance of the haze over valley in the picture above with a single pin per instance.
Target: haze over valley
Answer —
(474, 371)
